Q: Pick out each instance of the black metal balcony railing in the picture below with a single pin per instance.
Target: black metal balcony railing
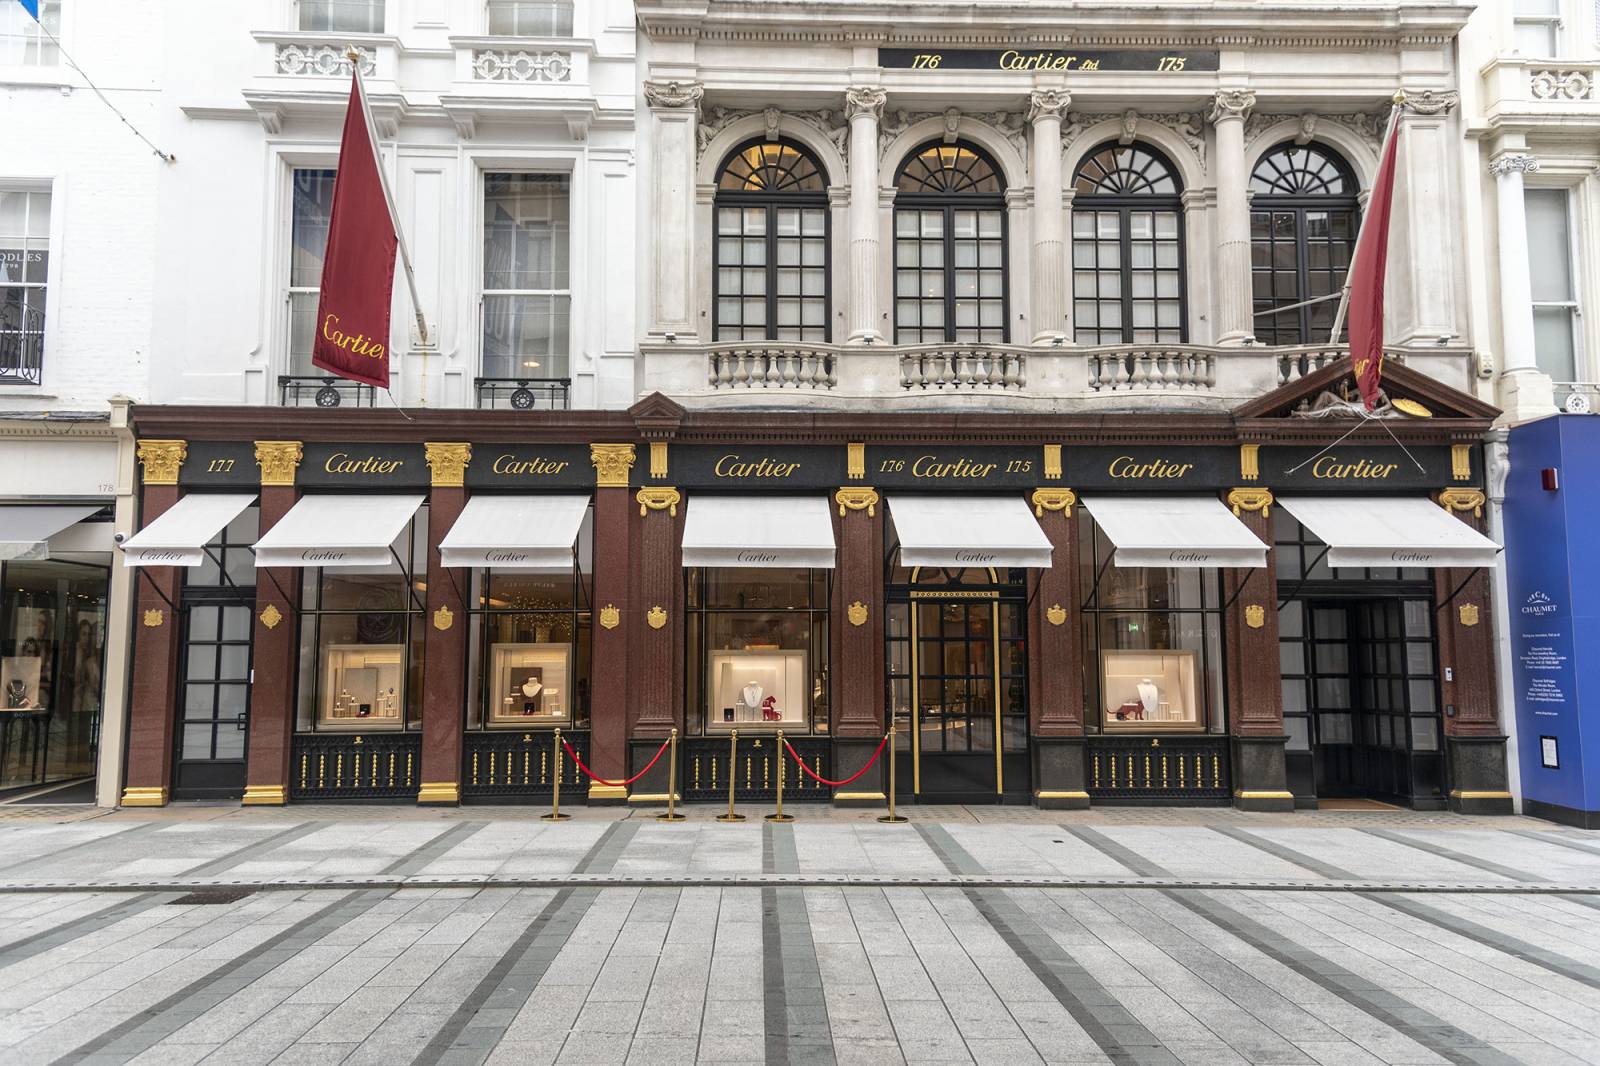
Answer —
(524, 394)
(21, 346)
(296, 390)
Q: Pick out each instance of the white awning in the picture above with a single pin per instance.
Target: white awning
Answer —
(1388, 531)
(24, 529)
(515, 532)
(1180, 531)
(952, 531)
(764, 531)
(343, 531)
(179, 535)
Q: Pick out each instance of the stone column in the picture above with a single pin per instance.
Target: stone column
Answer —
(1475, 741)
(1525, 392)
(857, 620)
(864, 106)
(276, 639)
(444, 656)
(1055, 655)
(1255, 680)
(1229, 110)
(614, 602)
(656, 698)
(674, 109)
(152, 701)
(1045, 110)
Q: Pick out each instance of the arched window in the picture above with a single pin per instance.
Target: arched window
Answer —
(1303, 221)
(949, 247)
(771, 273)
(1127, 248)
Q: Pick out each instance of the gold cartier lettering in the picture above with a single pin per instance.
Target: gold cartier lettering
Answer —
(1331, 467)
(1125, 466)
(733, 466)
(359, 344)
(929, 466)
(535, 467)
(341, 463)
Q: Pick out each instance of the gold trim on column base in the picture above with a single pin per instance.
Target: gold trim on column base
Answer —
(1262, 794)
(860, 797)
(265, 796)
(439, 792)
(1479, 794)
(653, 797)
(144, 797)
(607, 792)
(1052, 794)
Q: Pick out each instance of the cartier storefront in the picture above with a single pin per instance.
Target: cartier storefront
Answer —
(1233, 608)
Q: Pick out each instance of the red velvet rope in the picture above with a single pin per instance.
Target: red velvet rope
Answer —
(615, 784)
(836, 784)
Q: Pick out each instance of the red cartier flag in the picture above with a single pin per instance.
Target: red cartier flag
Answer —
(1366, 278)
(352, 338)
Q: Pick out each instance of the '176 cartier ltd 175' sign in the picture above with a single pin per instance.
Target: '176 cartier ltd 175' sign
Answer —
(1062, 60)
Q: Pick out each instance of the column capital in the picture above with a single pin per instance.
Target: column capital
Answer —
(278, 460)
(162, 460)
(673, 94)
(1251, 500)
(448, 462)
(1459, 501)
(857, 500)
(1429, 101)
(612, 463)
(1514, 163)
(664, 498)
(865, 100)
(1232, 105)
(1048, 104)
(1059, 501)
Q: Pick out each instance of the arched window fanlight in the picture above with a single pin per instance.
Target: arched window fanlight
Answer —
(949, 247)
(771, 253)
(1126, 170)
(1303, 221)
(1127, 248)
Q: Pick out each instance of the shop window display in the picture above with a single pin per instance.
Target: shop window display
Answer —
(758, 645)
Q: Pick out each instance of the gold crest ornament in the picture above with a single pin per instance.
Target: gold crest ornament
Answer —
(857, 613)
(656, 616)
(1469, 614)
(271, 616)
(1055, 614)
(153, 618)
(443, 619)
(1255, 615)
(610, 616)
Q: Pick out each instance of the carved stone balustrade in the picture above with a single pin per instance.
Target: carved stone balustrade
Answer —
(1516, 85)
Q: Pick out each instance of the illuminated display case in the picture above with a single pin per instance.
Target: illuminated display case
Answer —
(363, 685)
(1150, 691)
(530, 684)
(757, 688)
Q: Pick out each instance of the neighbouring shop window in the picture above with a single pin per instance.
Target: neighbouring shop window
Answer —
(361, 641)
(530, 18)
(532, 644)
(52, 652)
(527, 289)
(1152, 644)
(1555, 302)
(950, 276)
(341, 16)
(23, 41)
(758, 649)
(772, 244)
(1303, 221)
(311, 208)
(1127, 248)
(24, 267)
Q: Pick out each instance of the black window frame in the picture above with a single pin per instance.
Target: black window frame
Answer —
(1277, 329)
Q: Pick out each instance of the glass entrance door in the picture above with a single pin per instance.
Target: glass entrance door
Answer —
(214, 706)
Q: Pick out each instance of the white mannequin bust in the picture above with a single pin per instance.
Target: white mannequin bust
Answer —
(751, 694)
(531, 688)
(1150, 696)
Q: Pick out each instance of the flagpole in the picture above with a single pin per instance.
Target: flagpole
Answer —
(1344, 296)
(353, 54)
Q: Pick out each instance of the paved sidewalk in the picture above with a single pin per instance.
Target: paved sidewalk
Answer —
(970, 935)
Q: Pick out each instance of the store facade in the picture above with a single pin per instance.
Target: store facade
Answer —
(1047, 609)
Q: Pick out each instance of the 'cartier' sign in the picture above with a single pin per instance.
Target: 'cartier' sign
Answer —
(530, 466)
(1026, 59)
(356, 466)
(1360, 468)
(1155, 467)
(977, 467)
(751, 466)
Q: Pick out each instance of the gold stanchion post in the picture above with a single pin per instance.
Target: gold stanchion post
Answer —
(733, 763)
(672, 814)
(555, 814)
(890, 754)
(782, 765)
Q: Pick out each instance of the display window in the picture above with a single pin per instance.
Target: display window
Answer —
(1152, 644)
(361, 641)
(758, 649)
(531, 644)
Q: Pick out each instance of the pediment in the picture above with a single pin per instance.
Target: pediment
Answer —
(1291, 402)
(657, 417)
